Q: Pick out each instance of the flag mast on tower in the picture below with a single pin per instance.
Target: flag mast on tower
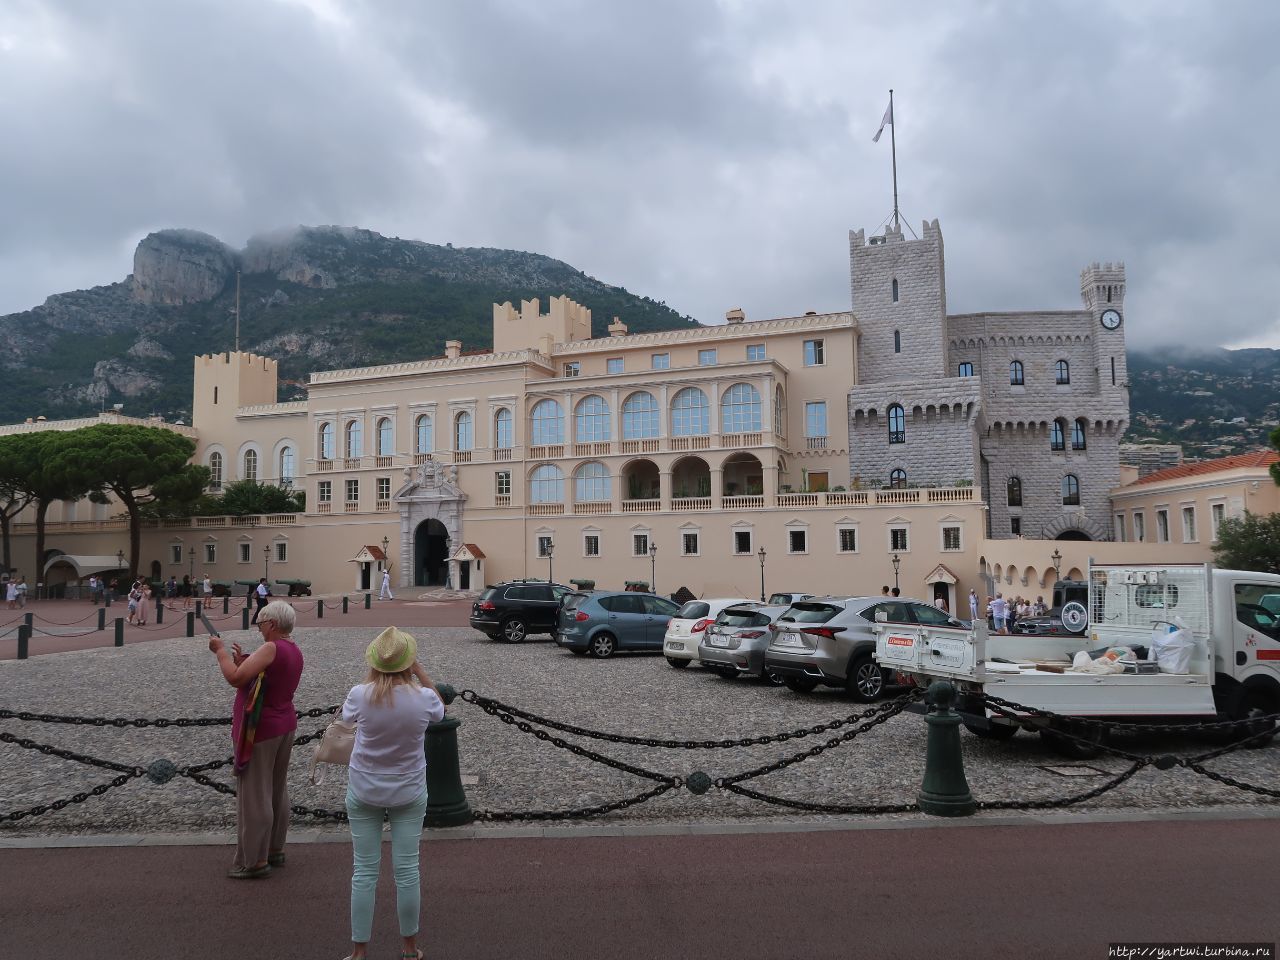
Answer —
(887, 119)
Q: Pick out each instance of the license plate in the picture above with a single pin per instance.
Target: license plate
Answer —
(675, 646)
(718, 641)
(787, 640)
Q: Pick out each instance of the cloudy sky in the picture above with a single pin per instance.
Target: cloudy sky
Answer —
(709, 154)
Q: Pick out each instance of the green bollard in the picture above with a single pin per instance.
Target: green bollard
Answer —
(368, 601)
(320, 609)
(344, 603)
(119, 631)
(29, 619)
(159, 611)
(24, 640)
(226, 604)
(191, 624)
(945, 791)
(200, 607)
(102, 618)
(244, 618)
(446, 800)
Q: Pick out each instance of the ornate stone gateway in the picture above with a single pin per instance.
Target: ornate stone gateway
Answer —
(431, 505)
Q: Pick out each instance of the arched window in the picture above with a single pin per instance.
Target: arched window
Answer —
(386, 438)
(547, 422)
(462, 435)
(894, 289)
(326, 441)
(1057, 439)
(740, 409)
(1062, 372)
(779, 413)
(286, 466)
(546, 484)
(591, 482)
(503, 429)
(591, 424)
(897, 341)
(1079, 430)
(897, 479)
(639, 416)
(355, 438)
(1070, 490)
(897, 424)
(250, 465)
(690, 413)
(424, 440)
(1016, 378)
(1014, 491)
(965, 369)
(215, 470)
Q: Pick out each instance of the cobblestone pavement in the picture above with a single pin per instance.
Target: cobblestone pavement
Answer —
(506, 770)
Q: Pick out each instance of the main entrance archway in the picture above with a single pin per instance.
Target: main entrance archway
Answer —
(430, 554)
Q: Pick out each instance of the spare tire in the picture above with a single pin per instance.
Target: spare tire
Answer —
(1074, 617)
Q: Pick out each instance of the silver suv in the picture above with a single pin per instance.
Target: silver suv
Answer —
(830, 641)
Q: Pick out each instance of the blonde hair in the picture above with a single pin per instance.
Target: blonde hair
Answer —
(384, 684)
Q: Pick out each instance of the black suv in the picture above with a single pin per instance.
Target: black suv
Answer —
(511, 611)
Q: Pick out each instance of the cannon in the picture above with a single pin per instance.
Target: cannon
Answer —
(296, 588)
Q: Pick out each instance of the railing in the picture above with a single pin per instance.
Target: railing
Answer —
(280, 519)
(324, 508)
(382, 506)
(641, 446)
(546, 509)
(592, 509)
(641, 506)
(211, 521)
(384, 461)
(76, 526)
(420, 458)
(351, 463)
(546, 451)
(741, 503)
(597, 448)
(741, 439)
(897, 496)
(323, 466)
(691, 503)
(798, 499)
(950, 495)
(815, 443)
(462, 456)
(690, 443)
(857, 498)
(502, 453)
(502, 500)
(351, 507)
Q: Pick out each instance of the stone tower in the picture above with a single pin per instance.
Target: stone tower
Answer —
(1102, 290)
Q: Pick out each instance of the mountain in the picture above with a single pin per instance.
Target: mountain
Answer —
(313, 298)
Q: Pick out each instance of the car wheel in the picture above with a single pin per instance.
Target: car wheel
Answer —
(996, 731)
(800, 684)
(603, 645)
(1086, 747)
(514, 630)
(865, 682)
(1250, 705)
(677, 662)
(771, 679)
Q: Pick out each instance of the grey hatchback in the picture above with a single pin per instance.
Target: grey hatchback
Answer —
(602, 622)
(737, 641)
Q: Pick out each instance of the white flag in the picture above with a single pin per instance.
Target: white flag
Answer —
(887, 119)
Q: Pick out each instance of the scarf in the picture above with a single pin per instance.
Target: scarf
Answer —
(249, 722)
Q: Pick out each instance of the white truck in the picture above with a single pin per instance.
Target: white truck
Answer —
(1234, 673)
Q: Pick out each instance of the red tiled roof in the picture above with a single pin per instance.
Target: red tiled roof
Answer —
(1255, 458)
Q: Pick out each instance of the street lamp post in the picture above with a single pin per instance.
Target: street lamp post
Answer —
(761, 555)
(191, 565)
(897, 562)
(119, 559)
(653, 566)
(1056, 557)
(386, 564)
(266, 562)
(551, 549)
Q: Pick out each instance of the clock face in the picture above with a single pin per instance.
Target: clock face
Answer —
(1111, 319)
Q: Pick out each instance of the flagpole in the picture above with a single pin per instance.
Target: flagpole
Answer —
(893, 144)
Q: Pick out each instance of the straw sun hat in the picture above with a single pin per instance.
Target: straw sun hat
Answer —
(392, 650)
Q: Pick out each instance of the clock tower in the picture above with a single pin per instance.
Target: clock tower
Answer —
(1102, 290)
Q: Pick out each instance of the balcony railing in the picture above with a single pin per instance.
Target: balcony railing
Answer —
(856, 498)
(641, 446)
(898, 496)
(384, 461)
(351, 463)
(420, 458)
(324, 508)
(950, 494)
(462, 456)
(741, 439)
(592, 509)
(502, 500)
(280, 519)
(641, 506)
(351, 507)
(546, 451)
(382, 506)
(323, 466)
(690, 443)
(815, 443)
(798, 499)
(546, 509)
(596, 448)
(741, 503)
(502, 453)
(691, 503)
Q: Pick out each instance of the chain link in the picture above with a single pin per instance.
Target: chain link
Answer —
(81, 797)
(52, 751)
(143, 721)
(1208, 726)
(1064, 801)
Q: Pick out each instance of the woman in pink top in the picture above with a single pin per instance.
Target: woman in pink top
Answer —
(262, 749)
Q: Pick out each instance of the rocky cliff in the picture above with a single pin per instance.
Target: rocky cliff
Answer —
(181, 266)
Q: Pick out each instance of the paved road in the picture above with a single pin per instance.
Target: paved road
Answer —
(65, 625)
(962, 891)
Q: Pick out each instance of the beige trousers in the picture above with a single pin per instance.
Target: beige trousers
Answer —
(262, 801)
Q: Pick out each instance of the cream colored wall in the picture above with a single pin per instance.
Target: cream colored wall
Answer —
(1013, 561)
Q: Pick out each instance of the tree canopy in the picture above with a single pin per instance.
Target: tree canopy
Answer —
(1251, 542)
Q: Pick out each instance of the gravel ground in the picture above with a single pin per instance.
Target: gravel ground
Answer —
(637, 695)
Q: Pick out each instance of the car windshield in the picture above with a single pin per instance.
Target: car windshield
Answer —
(694, 610)
(574, 600)
(742, 618)
(810, 612)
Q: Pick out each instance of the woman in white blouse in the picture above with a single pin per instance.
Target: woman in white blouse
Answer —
(388, 776)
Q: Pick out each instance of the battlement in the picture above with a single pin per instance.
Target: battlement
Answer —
(245, 361)
(929, 230)
(1102, 283)
(225, 382)
(564, 322)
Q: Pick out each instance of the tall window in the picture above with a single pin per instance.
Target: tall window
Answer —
(1013, 491)
(779, 412)
(286, 466)
(215, 470)
(592, 420)
(813, 353)
(966, 369)
(326, 441)
(591, 483)
(545, 546)
(547, 423)
(639, 544)
(898, 539)
(503, 429)
(690, 414)
(386, 438)
(740, 409)
(897, 479)
(251, 465)
(950, 538)
(1162, 526)
(502, 483)
(384, 488)
(893, 289)
(424, 441)
(546, 484)
(1056, 439)
(639, 416)
(324, 491)
(1188, 524)
(1062, 372)
(353, 490)
(1140, 527)
(1071, 490)
(815, 419)
(1016, 378)
(897, 424)
(1079, 429)
(355, 438)
(463, 436)
(1217, 513)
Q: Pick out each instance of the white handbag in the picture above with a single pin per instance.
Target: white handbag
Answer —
(334, 747)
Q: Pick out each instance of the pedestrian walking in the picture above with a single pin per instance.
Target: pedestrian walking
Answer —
(144, 604)
(385, 592)
(391, 710)
(973, 605)
(206, 590)
(11, 594)
(187, 590)
(22, 591)
(262, 594)
(263, 725)
(93, 588)
(135, 594)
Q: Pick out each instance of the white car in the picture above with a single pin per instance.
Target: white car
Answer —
(687, 628)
